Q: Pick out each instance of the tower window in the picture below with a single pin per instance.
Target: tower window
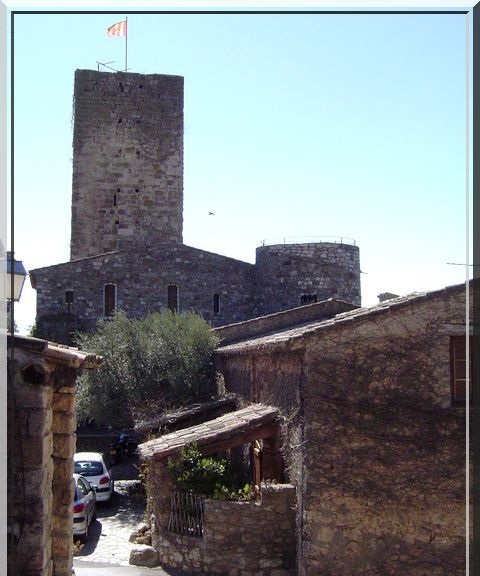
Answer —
(216, 304)
(308, 299)
(109, 300)
(69, 299)
(114, 199)
(172, 297)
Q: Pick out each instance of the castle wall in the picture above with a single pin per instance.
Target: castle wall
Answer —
(127, 160)
(286, 273)
(141, 287)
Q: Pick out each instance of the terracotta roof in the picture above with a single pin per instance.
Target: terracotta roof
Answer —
(56, 353)
(229, 427)
(293, 337)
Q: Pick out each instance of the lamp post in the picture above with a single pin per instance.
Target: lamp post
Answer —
(16, 275)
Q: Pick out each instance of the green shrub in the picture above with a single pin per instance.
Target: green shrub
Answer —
(160, 362)
(209, 476)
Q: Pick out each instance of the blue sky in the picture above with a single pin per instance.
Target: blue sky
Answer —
(295, 126)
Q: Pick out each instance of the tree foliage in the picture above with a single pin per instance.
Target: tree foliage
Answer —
(158, 362)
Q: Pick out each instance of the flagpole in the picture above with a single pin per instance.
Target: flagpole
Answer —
(126, 37)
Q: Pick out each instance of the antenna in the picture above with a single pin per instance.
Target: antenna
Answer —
(106, 65)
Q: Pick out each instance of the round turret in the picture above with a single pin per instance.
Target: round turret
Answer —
(290, 275)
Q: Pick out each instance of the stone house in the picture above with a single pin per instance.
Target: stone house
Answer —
(373, 402)
(127, 246)
(41, 380)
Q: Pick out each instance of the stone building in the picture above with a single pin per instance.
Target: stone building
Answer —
(127, 225)
(373, 402)
(41, 379)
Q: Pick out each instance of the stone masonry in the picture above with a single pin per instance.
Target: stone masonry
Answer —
(287, 272)
(375, 444)
(127, 160)
(239, 539)
(41, 413)
(127, 219)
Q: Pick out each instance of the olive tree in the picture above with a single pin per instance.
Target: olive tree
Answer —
(158, 362)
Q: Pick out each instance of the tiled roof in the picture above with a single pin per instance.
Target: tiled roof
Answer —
(294, 336)
(228, 427)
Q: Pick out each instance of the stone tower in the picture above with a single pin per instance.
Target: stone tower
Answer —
(127, 161)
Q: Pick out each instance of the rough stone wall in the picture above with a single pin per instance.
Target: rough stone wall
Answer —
(64, 446)
(40, 489)
(379, 450)
(127, 160)
(240, 538)
(384, 484)
(141, 287)
(276, 379)
(269, 378)
(286, 272)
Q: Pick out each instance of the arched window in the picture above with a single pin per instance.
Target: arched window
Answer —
(172, 297)
(109, 300)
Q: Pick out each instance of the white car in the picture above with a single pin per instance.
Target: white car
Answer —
(84, 511)
(96, 469)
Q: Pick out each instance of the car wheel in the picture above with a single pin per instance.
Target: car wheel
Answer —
(94, 515)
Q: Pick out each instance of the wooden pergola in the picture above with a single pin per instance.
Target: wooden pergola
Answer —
(251, 424)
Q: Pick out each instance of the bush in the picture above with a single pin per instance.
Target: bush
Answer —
(208, 476)
(148, 365)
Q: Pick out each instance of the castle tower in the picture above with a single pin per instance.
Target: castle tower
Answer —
(127, 161)
(290, 275)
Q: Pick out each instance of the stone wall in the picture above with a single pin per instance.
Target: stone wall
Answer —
(384, 492)
(379, 459)
(127, 160)
(41, 444)
(41, 452)
(239, 539)
(287, 272)
(142, 285)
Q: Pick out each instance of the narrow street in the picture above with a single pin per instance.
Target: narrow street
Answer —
(107, 550)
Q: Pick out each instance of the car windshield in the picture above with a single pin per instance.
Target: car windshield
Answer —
(86, 468)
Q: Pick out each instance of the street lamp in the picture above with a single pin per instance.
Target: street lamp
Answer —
(16, 275)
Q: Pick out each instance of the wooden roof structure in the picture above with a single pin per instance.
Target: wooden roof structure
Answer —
(228, 431)
(187, 416)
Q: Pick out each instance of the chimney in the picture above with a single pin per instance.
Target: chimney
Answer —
(386, 296)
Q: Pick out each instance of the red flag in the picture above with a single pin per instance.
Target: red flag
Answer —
(118, 29)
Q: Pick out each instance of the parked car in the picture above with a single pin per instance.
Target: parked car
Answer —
(96, 468)
(84, 509)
